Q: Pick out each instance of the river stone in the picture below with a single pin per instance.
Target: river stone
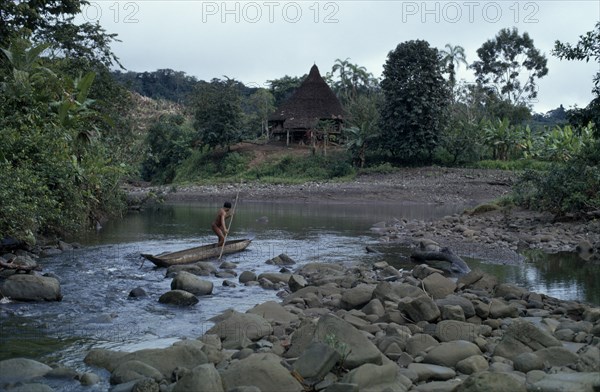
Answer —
(89, 379)
(491, 382)
(138, 292)
(282, 259)
(350, 343)
(247, 276)
(178, 297)
(275, 277)
(500, 309)
(318, 359)
(509, 291)
(242, 325)
(572, 382)
(297, 282)
(576, 326)
(165, 360)
(21, 369)
(472, 364)
(427, 372)
(192, 284)
(449, 330)
(450, 353)
(274, 313)
(392, 291)
(134, 370)
(526, 362)
(591, 314)
(420, 308)
(145, 385)
(374, 378)
(357, 296)
(478, 280)
(522, 336)
(452, 312)
(27, 287)
(465, 304)
(557, 356)
(261, 370)
(422, 271)
(589, 359)
(419, 343)
(374, 307)
(438, 286)
(201, 378)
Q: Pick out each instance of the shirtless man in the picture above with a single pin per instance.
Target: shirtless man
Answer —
(219, 226)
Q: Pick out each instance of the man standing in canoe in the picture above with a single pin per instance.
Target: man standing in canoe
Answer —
(219, 226)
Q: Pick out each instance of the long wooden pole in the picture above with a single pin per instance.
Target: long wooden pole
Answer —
(230, 221)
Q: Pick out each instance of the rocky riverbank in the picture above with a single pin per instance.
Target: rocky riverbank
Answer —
(363, 328)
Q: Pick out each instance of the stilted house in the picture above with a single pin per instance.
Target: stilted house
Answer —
(299, 118)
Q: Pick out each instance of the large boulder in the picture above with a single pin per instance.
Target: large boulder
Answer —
(316, 361)
(560, 382)
(179, 298)
(450, 353)
(348, 341)
(238, 326)
(21, 369)
(261, 370)
(357, 296)
(465, 304)
(27, 287)
(373, 378)
(192, 284)
(521, 337)
(449, 330)
(201, 378)
(275, 277)
(386, 291)
(274, 313)
(420, 343)
(491, 382)
(428, 372)
(134, 370)
(421, 308)
(165, 360)
(438, 286)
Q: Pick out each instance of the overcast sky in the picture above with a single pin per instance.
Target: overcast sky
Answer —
(255, 41)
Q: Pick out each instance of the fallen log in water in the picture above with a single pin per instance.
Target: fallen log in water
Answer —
(456, 264)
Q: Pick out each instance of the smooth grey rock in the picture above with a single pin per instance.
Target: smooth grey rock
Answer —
(352, 345)
(33, 387)
(357, 296)
(27, 287)
(419, 343)
(526, 362)
(571, 382)
(491, 382)
(373, 378)
(438, 286)
(509, 291)
(21, 369)
(247, 276)
(89, 379)
(374, 307)
(557, 356)
(201, 378)
(589, 359)
(450, 353)
(318, 359)
(134, 370)
(282, 259)
(274, 313)
(437, 386)
(145, 385)
(138, 292)
(421, 308)
(242, 325)
(342, 387)
(179, 298)
(261, 370)
(191, 283)
(472, 364)
(428, 372)
(522, 336)
(450, 330)
(452, 312)
(297, 282)
(275, 277)
(500, 309)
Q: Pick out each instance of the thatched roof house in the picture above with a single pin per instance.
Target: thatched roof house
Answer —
(313, 102)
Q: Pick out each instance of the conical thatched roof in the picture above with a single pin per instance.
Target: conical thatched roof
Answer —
(313, 101)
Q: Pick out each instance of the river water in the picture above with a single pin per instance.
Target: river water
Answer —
(96, 279)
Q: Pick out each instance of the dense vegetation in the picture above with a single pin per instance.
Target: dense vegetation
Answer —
(73, 131)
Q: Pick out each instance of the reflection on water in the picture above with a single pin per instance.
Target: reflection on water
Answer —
(96, 280)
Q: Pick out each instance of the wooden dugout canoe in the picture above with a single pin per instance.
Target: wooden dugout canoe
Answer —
(198, 253)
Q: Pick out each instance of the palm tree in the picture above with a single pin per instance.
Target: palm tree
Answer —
(453, 55)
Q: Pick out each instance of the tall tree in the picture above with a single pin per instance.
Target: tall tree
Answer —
(352, 80)
(53, 21)
(451, 56)
(503, 59)
(587, 47)
(218, 113)
(416, 98)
